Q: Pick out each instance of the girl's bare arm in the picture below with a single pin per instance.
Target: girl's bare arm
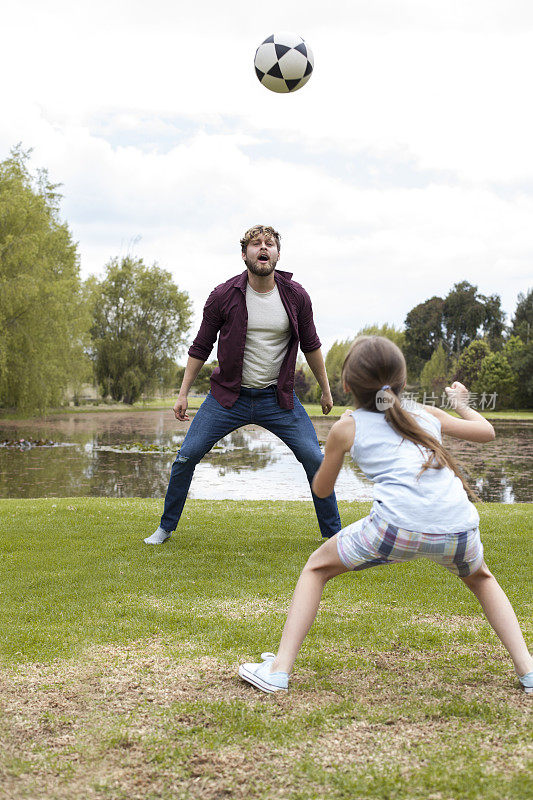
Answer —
(472, 426)
(338, 443)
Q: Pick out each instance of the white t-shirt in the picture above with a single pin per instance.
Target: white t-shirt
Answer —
(267, 338)
(435, 502)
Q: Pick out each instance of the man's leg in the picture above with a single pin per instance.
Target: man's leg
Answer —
(210, 424)
(296, 430)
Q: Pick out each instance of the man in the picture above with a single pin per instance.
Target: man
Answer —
(260, 317)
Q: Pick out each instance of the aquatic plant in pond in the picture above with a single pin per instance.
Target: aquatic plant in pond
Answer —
(27, 444)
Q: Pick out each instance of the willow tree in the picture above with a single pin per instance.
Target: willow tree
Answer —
(42, 313)
(140, 321)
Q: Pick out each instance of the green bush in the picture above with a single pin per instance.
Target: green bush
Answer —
(437, 372)
(496, 376)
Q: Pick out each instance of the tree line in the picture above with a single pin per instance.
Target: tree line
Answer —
(463, 336)
(125, 331)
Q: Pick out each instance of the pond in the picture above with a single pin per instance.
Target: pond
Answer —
(122, 454)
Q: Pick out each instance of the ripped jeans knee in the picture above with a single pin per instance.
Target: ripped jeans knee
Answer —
(186, 459)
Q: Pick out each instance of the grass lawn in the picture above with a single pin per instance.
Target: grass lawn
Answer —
(119, 661)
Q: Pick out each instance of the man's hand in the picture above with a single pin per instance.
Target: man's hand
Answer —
(180, 408)
(326, 401)
(318, 368)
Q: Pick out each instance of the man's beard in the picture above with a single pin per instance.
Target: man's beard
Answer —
(260, 268)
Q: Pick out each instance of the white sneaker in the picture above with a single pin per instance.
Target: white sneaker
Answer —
(527, 682)
(259, 675)
(158, 537)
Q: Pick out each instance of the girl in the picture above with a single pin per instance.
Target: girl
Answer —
(420, 508)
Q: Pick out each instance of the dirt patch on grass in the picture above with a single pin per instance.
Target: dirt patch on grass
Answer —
(241, 608)
(452, 622)
(119, 678)
(447, 622)
(392, 676)
(133, 722)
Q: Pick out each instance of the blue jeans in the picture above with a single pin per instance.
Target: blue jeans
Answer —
(254, 406)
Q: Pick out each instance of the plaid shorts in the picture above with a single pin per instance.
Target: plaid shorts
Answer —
(371, 541)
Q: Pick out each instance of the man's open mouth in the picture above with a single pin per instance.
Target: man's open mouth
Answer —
(263, 257)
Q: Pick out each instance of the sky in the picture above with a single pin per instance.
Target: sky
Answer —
(403, 166)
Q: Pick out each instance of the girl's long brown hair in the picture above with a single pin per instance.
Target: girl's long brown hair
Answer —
(374, 362)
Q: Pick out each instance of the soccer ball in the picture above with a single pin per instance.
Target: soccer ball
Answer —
(283, 62)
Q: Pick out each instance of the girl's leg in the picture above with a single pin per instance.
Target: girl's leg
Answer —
(322, 565)
(501, 616)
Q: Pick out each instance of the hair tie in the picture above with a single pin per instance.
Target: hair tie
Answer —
(383, 402)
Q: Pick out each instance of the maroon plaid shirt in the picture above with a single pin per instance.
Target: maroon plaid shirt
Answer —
(225, 312)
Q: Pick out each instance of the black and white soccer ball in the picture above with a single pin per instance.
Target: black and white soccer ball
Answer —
(283, 62)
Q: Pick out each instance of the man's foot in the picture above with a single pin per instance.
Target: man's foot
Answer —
(259, 675)
(158, 537)
(527, 682)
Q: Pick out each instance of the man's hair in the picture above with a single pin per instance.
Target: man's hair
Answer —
(251, 233)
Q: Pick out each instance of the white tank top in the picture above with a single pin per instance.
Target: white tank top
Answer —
(435, 502)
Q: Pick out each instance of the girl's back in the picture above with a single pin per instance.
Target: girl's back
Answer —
(434, 501)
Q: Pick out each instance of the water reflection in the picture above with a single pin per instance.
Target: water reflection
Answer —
(130, 455)
(500, 471)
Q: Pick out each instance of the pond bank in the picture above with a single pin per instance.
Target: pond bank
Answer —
(313, 409)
